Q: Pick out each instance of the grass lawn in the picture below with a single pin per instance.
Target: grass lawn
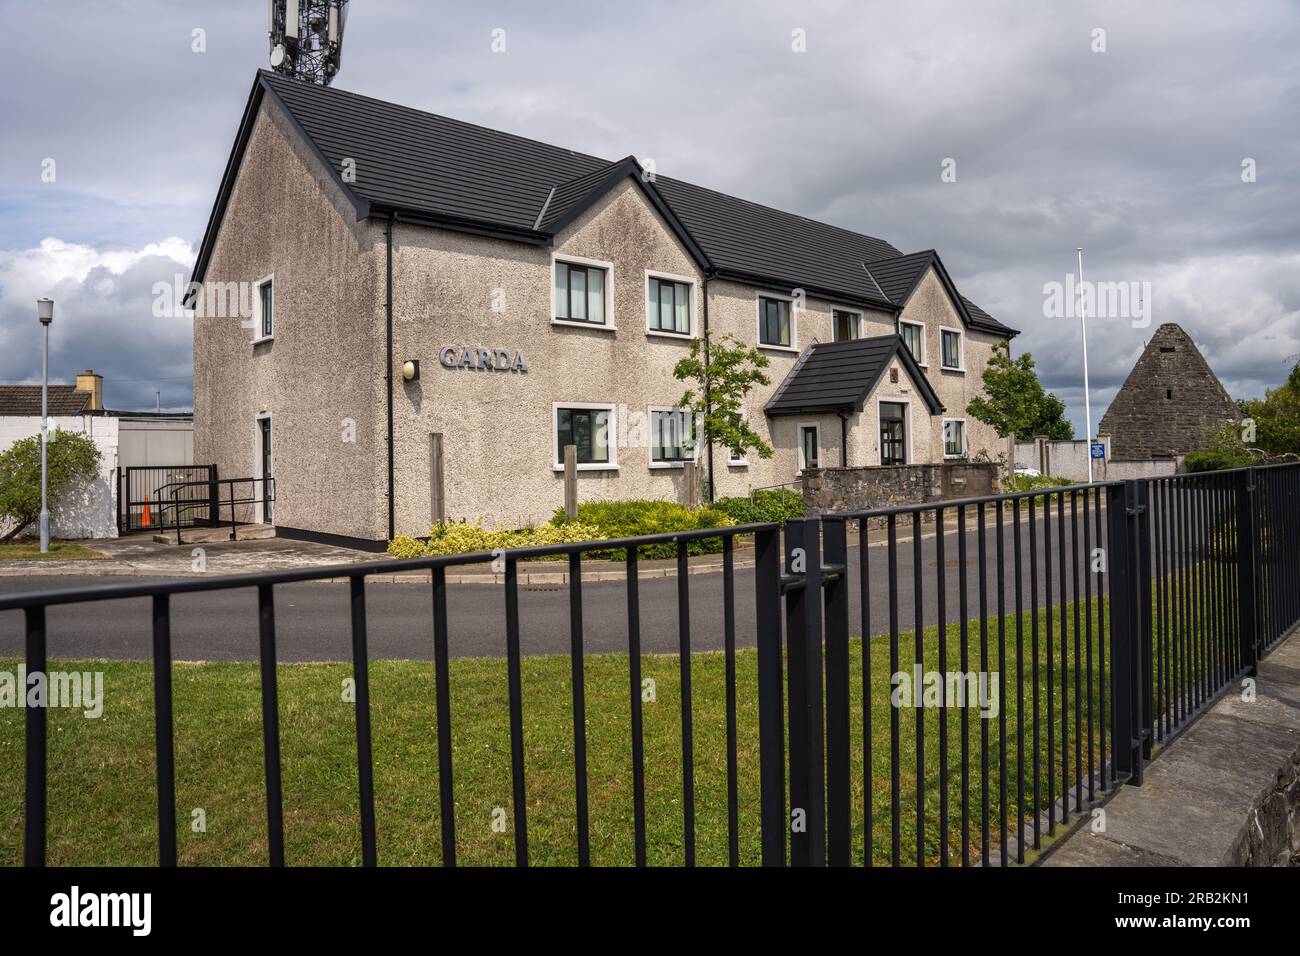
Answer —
(29, 549)
(101, 778)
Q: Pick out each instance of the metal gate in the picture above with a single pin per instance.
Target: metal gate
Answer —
(139, 507)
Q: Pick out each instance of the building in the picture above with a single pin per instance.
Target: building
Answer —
(124, 439)
(381, 289)
(1170, 404)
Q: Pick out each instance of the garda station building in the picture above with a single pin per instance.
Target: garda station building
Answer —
(433, 310)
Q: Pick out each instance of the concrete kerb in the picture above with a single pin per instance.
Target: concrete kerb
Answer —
(158, 561)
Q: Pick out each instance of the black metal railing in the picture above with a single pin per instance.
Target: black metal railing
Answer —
(187, 499)
(1105, 619)
(141, 506)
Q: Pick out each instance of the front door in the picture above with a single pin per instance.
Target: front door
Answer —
(893, 435)
(264, 429)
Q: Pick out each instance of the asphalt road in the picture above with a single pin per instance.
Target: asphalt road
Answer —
(313, 620)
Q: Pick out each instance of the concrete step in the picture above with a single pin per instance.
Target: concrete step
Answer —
(243, 532)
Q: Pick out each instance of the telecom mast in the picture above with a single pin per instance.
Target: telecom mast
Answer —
(306, 38)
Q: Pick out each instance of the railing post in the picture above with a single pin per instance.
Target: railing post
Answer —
(1247, 594)
(1126, 633)
(1143, 605)
(771, 725)
(803, 616)
(214, 499)
(839, 826)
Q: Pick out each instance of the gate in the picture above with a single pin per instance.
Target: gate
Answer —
(138, 492)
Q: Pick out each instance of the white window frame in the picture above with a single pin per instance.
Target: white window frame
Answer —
(606, 326)
(258, 337)
(734, 461)
(798, 445)
(758, 322)
(669, 277)
(558, 461)
(922, 361)
(862, 322)
(961, 350)
(907, 426)
(650, 442)
(965, 441)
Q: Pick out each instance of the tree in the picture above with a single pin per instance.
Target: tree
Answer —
(72, 459)
(717, 390)
(1268, 432)
(1017, 403)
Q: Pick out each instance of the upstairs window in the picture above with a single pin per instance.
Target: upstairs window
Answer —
(580, 293)
(774, 322)
(848, 325)
(950, 349)
(913, 335)
(668, 305)
(266, 309)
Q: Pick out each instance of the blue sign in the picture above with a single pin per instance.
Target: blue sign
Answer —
(1098, 449)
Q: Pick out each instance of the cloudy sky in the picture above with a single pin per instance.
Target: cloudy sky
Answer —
(1127, 128)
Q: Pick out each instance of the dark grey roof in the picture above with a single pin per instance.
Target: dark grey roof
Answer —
(26, 400)
(453, 174)
(838, 376)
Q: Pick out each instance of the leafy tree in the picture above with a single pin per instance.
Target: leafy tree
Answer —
(71, 459)
(717, 390)
(1269, 431)
(1017, 403)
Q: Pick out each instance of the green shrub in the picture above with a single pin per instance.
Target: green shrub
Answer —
(1021, 483)
(629, 519)
(462, 537)
(770, 504)
(71, 460)
(405, 546)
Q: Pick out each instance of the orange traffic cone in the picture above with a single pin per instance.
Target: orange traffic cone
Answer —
(145, 520)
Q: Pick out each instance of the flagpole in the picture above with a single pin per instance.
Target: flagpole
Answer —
(1087, 405)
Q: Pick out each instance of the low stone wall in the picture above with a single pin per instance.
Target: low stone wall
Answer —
(828, 490)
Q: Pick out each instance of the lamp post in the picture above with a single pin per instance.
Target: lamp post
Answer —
(1087, 404)
(45, 312)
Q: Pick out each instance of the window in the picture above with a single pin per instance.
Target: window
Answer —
(736, 456)
(954, 438)
(893, 434)
(266, 309)
(668, 305)
(913, 334)
(809, 453)
(580, 292)
(589, 428)
(950, 349)
(848, 325)
(671, 439)
(774, 322)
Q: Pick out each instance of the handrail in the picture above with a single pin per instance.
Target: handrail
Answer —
(213, 502)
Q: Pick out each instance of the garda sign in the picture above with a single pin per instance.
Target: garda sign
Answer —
(488, 360)
(1098, 449)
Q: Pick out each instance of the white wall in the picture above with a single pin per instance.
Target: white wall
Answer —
(91, 510)
(1069, 459)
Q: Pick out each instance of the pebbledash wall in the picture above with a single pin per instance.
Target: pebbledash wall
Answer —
(320, 378)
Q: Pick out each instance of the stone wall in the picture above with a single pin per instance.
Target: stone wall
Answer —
(828, 490)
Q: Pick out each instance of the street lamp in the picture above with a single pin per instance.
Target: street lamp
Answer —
(45, 312)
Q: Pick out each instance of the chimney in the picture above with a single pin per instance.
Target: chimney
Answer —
(88, 381)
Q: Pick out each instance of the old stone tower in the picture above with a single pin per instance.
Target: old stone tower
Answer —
(1170, 404)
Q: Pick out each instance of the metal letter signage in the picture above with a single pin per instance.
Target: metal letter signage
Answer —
(492, 360)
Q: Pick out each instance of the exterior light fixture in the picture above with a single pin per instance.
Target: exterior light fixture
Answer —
(411, 370)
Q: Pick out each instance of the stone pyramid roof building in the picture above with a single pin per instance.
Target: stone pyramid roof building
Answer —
(1170, 404)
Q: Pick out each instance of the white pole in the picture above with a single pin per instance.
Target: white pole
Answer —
(45, 426)
(1087, 405)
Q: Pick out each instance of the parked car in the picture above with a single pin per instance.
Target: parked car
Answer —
(1025, 471)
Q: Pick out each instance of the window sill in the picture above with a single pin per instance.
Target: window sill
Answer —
(952, 368)
(668, 465)
(263, 339)
(779, 348)
(737, 464)
(559, 469)
(575, 324)
(678, 336)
